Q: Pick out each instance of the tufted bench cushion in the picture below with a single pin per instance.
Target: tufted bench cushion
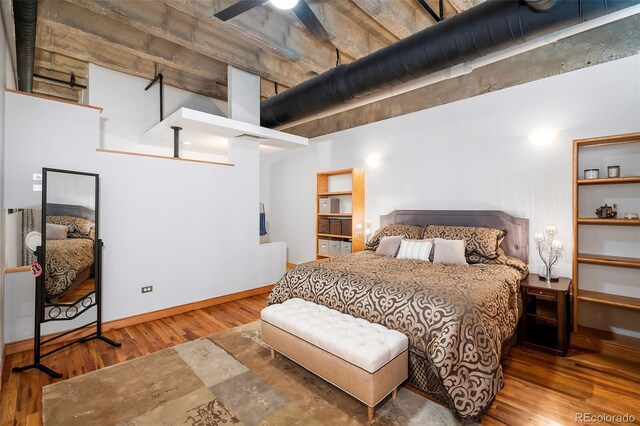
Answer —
(365, 360)
(357, 341)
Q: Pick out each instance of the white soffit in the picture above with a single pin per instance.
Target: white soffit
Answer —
(209, 133)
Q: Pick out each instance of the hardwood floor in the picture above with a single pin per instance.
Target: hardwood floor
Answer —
(539, 388)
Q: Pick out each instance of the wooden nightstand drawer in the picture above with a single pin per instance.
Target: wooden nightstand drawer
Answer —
(545, 294)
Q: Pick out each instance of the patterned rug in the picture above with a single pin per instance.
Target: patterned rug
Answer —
(224, 379)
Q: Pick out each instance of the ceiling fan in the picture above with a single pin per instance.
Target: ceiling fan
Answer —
(299, 7)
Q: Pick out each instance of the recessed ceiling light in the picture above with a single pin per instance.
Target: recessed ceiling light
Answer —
(284, 4)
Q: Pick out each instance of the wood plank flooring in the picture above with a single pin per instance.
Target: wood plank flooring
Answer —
(539, 388)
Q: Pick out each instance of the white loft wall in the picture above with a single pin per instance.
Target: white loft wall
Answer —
(470, 154)
(129, 111)
(188, 229)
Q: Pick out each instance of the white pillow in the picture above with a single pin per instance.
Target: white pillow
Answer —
(449, 252)
(415, 249)
(57, 232)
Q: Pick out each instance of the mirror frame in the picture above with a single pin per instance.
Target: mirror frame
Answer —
(96, 245)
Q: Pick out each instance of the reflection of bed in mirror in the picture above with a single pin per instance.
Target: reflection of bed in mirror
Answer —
(70, 251)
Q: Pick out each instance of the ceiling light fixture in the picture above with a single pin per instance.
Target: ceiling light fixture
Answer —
(284, 4)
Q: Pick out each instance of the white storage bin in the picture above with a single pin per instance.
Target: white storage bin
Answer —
(345, 247)
(334, 248)
(323, 246)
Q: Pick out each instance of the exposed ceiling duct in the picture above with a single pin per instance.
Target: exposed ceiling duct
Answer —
(25, 14)
(489, 27)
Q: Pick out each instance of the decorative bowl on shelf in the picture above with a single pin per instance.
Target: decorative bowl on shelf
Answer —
(607, 212)
(631, 215)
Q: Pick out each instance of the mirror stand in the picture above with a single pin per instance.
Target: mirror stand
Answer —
(67, 312)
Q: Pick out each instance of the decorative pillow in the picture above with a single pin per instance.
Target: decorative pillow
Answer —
(415, 249)
(57, 232)
(449, 252)
(389, 246)
(481, 243)
(78, 227)
(410, 232)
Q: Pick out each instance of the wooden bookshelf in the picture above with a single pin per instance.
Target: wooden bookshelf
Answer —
(586, 337)
(605, 260)
(356, 196)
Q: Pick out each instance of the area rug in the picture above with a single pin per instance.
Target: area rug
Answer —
(226, 379)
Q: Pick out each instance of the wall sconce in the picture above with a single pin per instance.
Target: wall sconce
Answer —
(543, 136)
(373, 161)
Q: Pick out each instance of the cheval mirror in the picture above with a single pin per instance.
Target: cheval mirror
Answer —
(68, 269)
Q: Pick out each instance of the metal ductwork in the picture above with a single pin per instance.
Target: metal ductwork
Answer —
(25, 14)
(489, 27)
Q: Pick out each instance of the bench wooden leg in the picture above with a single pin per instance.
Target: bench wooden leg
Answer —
(370, 413)
(273, 354)
(394, 394)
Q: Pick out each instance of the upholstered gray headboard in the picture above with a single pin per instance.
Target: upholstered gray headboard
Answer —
(70, 210)
(516, 241)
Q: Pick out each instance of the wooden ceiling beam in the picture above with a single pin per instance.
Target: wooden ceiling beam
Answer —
(162, 21)
(267, 30)
(68, 43)
(401, 17)
(48, 89)
(58, 76)
(61, 63)
(105, 30)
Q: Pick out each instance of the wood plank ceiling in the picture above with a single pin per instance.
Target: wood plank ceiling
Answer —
(184, 41)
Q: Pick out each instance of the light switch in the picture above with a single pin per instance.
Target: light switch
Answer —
(37, 188)
(37, 176)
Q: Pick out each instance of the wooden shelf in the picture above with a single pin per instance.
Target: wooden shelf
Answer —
(336, 172)
(609, 181)
(334, 236)
(334, 194)
(617, 222)
(139, 154)
(602, 259)
(609, 299)
(323, 255)
(335, 214)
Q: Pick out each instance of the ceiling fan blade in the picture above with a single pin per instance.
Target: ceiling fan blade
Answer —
(238, 8)
(310, 20)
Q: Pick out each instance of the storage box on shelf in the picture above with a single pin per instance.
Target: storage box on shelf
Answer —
(339, 212)
(595, 153)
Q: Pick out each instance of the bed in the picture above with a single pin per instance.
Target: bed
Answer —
(460, 320)
(69, 261)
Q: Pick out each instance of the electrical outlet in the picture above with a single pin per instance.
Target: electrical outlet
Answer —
(147, 289)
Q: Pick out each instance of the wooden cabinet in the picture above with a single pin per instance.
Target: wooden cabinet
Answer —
(544, 323)
(347, 186)
(592, 153)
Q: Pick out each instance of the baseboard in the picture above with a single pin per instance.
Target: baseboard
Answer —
(291, 265)
(27, 344)
(606, 343)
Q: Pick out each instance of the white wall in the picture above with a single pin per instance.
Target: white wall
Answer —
(6, 80)
(66, 188)
(470, 154)
(188, 229)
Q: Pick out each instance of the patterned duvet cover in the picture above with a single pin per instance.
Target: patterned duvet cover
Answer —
(457, 318)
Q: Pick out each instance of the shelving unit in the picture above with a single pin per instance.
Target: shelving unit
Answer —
(325, 182)
(582, 336)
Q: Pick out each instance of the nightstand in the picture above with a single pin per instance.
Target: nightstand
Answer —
(545, 318)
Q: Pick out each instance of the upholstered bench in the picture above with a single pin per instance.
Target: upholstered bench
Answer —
(368, 361)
